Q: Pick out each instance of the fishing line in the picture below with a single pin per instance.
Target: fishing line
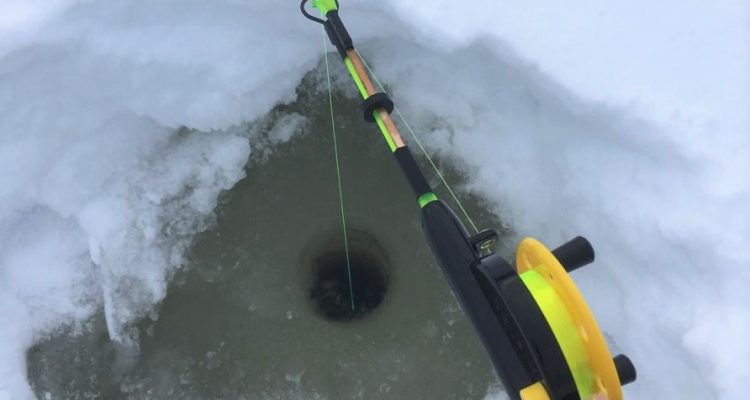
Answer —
(338, 171)
(419, 144)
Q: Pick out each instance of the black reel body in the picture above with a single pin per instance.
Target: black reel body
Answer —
(520, 340)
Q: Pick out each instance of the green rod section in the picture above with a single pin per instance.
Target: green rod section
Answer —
(357, 79)
(386, 134)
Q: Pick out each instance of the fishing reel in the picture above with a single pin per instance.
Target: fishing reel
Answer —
(537, 328)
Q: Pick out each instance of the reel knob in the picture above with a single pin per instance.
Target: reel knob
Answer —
(575, 254)
(625, 369)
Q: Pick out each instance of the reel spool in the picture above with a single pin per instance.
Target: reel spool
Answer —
(545, 274)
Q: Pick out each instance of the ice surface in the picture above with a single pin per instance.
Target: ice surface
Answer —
(625, 122)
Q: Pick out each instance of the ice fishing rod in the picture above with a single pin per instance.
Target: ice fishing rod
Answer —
(534, 323)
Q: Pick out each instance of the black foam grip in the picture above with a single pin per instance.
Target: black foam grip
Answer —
(411, 171)
(337, 33)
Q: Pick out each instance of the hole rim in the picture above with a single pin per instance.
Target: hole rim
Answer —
(363, 245)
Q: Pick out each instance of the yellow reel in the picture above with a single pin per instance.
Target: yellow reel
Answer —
(572, 324)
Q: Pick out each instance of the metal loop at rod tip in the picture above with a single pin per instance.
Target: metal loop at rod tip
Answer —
(308, 15)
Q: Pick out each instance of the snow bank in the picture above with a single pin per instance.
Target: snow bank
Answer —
(100, 191)
(624, 122)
